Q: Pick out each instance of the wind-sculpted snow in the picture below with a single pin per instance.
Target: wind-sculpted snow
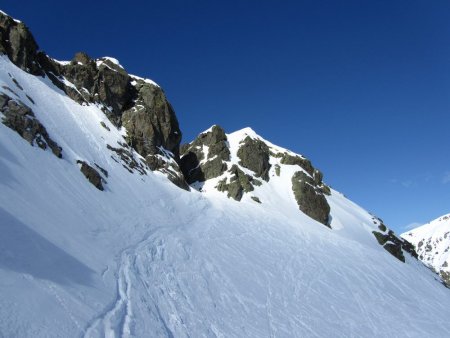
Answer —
(144, 258)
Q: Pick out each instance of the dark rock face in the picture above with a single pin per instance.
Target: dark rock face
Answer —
(198, 166)
(91, 174)
(17, 42)
(105, 82)
(21, 119)
(391, 243)
(151, 122)
(102, 82)
(239, 183)
(310, 198)
(139, 105)
(254, 154)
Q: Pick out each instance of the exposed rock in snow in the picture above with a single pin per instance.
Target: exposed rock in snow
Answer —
(244, 162)
(146, 258)
(138, 104)
(310, 198)
(91, 174)
(22, 120)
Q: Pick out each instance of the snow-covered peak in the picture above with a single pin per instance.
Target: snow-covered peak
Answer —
(432, 243)
(243, 133)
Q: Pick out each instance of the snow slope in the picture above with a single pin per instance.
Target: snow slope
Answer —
(146, 259)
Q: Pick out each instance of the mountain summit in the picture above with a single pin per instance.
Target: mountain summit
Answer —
(110, 228)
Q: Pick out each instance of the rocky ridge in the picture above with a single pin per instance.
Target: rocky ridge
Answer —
(137, 104)
(241, 165)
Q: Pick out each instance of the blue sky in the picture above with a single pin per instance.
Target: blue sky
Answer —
(362, 88)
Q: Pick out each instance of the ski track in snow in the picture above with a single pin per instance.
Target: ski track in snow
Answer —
(186, 264)
(117, 322)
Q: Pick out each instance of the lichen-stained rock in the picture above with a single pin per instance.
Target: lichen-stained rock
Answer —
(391, 243)
(206, 156)
(310, 198)
(151, 122)
(100, 81)
(254, 154)
(138, 104)
(238, 183)
(91, 174)
(21, 119)
(17, 42)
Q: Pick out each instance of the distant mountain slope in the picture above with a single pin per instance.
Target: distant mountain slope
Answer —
(96, 241)
(432, 243)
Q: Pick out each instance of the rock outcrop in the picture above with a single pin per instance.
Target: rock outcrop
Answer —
(21, 119)
(205, 158)
(17, 42)
(238, 183)
(91, 174)
(138, 104)
(152, 129)
(248, 163)
(391, 243)
(254, 155)
(310, 197)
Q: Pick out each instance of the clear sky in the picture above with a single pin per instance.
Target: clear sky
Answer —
(362, 88)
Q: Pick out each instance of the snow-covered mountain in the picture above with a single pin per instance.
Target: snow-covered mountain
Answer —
(110, 229)
(432, 244)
